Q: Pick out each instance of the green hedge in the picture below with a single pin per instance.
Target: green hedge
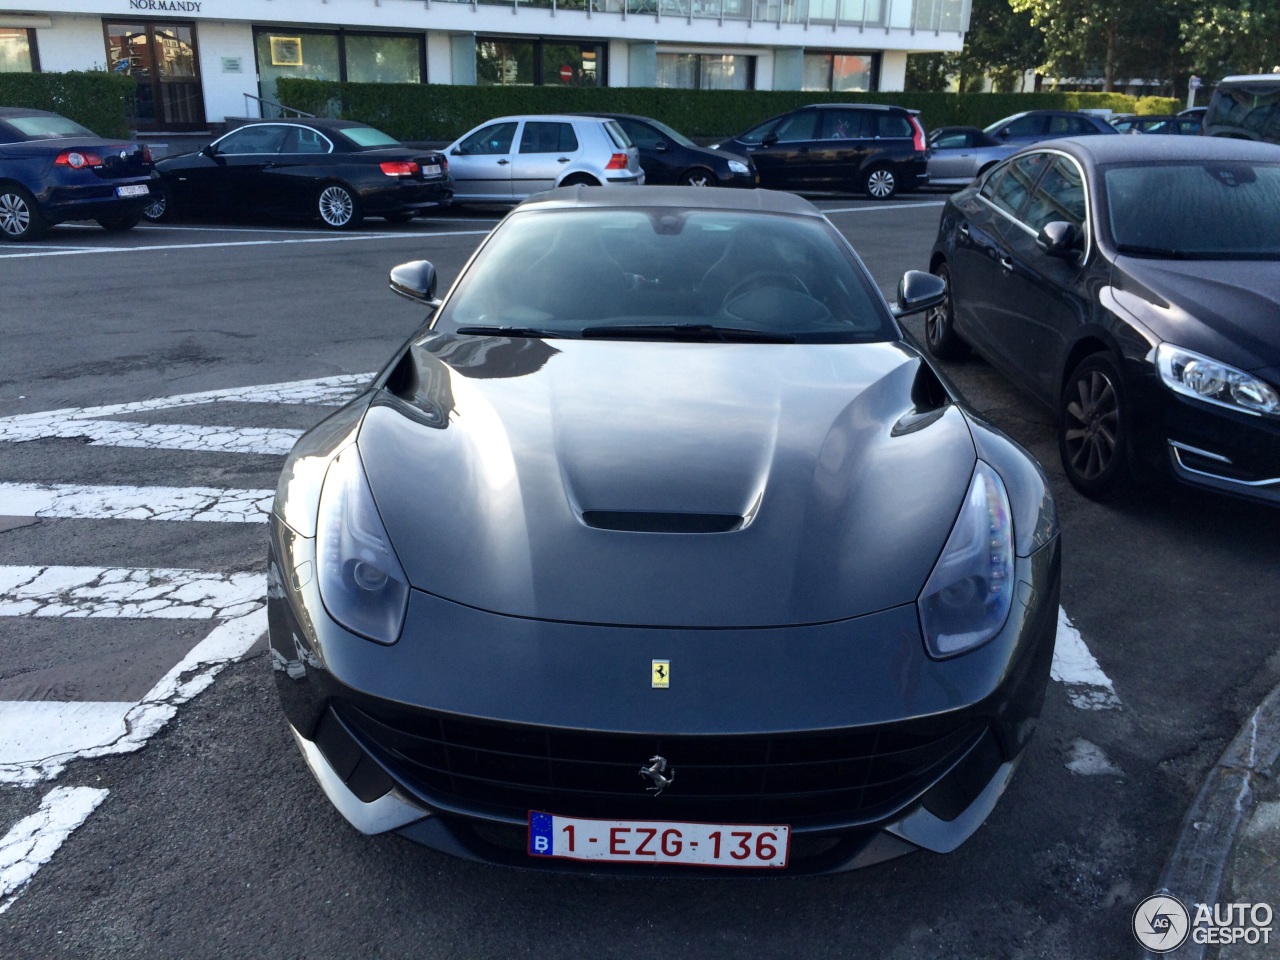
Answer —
(94, 99)
(445, 112)
(1157, 106)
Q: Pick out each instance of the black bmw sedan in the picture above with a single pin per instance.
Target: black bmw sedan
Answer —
(1133, 285)
(53, 170)
(669, 157)
(642, 557)
(337, 171)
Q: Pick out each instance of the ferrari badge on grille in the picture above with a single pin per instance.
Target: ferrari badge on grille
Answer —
(661, 674)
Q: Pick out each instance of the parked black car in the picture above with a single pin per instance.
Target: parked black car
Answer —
(669, 157)
(622, 535)
(1150, 326)
(53, 170)
(1032, 126)
(861, 148)
(336, 170)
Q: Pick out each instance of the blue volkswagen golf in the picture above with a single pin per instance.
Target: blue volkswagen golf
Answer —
(53, 170)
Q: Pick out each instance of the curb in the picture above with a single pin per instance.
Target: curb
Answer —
(1207, 836)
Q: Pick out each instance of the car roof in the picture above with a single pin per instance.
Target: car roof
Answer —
(549, 116)
(676, 198)
(1105, 150)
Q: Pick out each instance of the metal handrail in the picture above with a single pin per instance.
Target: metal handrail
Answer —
(284, 111)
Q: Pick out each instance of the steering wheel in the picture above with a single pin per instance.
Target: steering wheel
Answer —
(773, 278)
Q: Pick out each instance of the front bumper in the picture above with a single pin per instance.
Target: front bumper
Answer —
(867, 754)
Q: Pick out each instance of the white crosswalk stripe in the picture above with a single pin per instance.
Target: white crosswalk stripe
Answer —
(69, 501)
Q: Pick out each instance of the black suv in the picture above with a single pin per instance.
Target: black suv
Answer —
(861, 147)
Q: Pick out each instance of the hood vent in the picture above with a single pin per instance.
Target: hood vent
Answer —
(634, 521)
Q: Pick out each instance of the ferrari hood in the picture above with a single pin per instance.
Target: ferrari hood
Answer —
(1226, 309)
(665, 484)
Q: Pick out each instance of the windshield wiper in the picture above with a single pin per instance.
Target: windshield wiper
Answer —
(507, 332)
(684, 331)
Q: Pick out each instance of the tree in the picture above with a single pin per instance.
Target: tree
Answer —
(999, 43)
(1233, 36)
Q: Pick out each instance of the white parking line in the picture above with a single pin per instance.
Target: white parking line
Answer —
(81, 502)
(345, 238)
(154, 592)
(1088, 688)
(33, 840)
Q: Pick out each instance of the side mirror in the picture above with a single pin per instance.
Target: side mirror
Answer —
(1059, 239)
(416, 281)
(458, 152)
(1003, 134)
(209, 150)
(769, 140)
(919, 291)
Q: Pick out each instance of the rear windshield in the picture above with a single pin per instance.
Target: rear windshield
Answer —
(369, 137)
(620, 138)
(560, 272)
(1225, 210)
(47, 128)
(1249, 111)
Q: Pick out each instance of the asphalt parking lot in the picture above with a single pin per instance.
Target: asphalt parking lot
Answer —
(189, 356)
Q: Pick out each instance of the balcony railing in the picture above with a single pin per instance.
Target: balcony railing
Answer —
(933, 16)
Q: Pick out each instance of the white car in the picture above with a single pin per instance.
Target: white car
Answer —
(510, 158)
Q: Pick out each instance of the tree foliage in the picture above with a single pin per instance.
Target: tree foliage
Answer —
(1232, 36)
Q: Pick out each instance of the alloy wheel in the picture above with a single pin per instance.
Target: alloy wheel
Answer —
(1092, 429)
(699, 178)
(155, 209)
(336, 206)
(880, 184)
(15, 215)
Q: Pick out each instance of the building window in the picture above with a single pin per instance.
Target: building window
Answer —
(337, 55)
(706, 71)
(841, 71)
(18, 50)
(501, 62)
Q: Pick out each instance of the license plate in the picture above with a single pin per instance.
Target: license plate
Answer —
(430, 169)
(659, 841)
(137, 190)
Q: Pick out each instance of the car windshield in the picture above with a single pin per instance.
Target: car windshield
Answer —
(1220, 209)
(369, 137)
(47, 128)
(663, 273)
(670, 134)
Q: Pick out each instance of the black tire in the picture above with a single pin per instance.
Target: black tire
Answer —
(880, 183)
(160, 208)
(699, 177)
(580, 178)
(338, 207)
(20, 218)
(1093, 429)
(120, 224)
(940, 335)
(397, 217)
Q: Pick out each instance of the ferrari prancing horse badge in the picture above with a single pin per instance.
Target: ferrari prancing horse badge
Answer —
(661, 674)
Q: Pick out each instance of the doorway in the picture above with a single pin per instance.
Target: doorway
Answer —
(162, 58)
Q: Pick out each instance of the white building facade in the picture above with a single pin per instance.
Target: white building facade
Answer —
(198, 62)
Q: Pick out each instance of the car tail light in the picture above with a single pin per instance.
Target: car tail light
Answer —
(444, 164)
(399, 168)
(77, 159)
(146, 154)
(917, 139)
(617, 162)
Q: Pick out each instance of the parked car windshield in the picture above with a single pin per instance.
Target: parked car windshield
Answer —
(47, 128)
(670, 134)
(369, 137)
(1221, 209)
(664, 273)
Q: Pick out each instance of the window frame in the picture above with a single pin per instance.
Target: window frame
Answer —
(33, 49)
(539, 43)
(873, 55)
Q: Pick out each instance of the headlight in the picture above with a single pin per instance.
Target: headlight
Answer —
(714, 146)
(361, 582)
(1206, 379)
(967, 598)
(737, 166)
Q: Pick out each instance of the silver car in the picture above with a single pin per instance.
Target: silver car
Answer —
(958, 154)
(510, 158)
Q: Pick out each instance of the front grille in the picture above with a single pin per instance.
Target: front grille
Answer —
(842, 777)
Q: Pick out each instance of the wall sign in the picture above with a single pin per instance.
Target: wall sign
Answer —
(170, 6)
(286, 51)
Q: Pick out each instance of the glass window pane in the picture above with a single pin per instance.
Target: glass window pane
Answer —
(175, 54)
(255, 138)
(817, 71)
(572, 65)
(504, 63)
(844, 124)
(1059, 196)
(311, 56)
(383, 59)
(727, 72)
(304, 140)
(679, 70)
(799, 126)
(851, 72)
(1009, 191)
(15, 50)
(494, 139)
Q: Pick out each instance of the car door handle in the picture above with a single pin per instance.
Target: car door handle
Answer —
(964, 230)
(267, 166)
(562, 159)
(803, 150)
(503, 163)
(1006, 264)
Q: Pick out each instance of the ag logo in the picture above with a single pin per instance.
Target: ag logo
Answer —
(1161, 923)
